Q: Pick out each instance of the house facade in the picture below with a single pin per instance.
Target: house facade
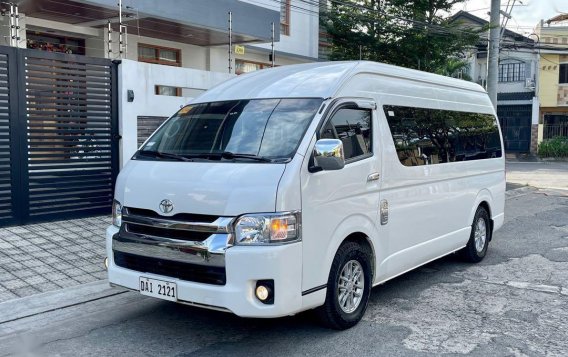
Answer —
(553, 77)
(517, 103)
(169, 53)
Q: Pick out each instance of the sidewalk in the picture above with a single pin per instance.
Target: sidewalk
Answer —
(542, 174)
(44, 257)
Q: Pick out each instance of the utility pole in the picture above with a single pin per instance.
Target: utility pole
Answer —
(493, 51)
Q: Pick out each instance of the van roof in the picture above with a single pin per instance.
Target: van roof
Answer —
(311, 80)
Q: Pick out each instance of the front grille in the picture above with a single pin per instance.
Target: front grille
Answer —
(182, 217)
(183, 271)
(166, 233)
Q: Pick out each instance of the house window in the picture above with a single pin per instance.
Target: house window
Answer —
(511, 72)
(168, 90)
(285, 17)
(159, 55)
(563, 78)
(247, 66)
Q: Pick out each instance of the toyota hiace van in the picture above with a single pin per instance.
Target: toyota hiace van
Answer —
(304, 186)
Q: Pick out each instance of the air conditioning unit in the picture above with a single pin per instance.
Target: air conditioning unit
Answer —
(529, 83)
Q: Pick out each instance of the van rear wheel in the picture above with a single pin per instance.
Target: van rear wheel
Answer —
(479, 238)
(348, 287)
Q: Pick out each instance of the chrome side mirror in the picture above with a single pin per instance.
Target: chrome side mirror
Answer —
(328, 154)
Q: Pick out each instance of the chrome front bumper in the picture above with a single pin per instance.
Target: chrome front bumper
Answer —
(146, 240)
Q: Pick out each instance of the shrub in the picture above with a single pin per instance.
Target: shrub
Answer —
(555, 147)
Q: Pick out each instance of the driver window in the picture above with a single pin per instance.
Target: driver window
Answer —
(353, 127)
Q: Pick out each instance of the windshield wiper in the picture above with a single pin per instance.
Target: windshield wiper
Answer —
(231, 155)
(228, 155)
(164, 155)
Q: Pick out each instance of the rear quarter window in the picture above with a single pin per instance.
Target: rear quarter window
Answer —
(424, 136)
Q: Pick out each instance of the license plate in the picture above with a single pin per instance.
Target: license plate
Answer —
(161, 289)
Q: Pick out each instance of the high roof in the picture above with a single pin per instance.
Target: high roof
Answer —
(315, 80)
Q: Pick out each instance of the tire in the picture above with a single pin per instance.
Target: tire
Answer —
(350, 258)
(479, 238)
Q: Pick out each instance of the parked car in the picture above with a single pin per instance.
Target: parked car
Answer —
(304, 186)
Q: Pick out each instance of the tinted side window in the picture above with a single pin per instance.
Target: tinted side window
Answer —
(353, 128)
(430, 136)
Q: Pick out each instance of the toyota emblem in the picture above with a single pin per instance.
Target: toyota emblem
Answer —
(166, 206)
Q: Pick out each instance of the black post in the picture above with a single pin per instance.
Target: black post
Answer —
(114, 129)
(17, 197)
(18, 83)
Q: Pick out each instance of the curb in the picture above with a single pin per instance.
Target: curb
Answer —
(16, 309)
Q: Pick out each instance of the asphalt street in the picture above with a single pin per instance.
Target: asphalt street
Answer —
(514, 303)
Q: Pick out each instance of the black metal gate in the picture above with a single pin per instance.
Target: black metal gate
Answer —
(515, 121)
(61, 155)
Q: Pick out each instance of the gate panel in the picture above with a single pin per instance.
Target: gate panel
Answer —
(71, 156)
(515, 121)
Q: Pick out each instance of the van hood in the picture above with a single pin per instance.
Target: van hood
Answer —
(212, 188)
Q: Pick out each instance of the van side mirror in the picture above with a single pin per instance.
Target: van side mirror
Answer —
(328, 154)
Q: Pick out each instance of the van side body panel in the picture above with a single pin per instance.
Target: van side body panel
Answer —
(431, 207)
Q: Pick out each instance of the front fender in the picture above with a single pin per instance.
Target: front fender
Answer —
(352, 225)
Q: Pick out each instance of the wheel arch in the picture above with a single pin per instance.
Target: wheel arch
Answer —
(358, 228)
(484, 199)
(363, 240)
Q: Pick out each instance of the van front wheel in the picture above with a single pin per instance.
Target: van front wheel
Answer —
(348, 287)
(476, 247)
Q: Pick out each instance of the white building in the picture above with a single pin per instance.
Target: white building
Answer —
(171, 50)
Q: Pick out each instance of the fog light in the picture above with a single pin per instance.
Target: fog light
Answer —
(106, 263)
(262, 292)
(265, 291)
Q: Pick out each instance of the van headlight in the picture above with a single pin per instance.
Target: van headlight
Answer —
(268, 228)
(116, 213)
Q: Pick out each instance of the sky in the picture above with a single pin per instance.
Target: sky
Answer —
(525, 16)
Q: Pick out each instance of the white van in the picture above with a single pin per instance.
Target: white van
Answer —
(304, 186)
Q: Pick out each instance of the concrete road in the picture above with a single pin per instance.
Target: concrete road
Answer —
(514, 303)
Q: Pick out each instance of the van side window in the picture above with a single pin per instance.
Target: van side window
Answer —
(425, 136)
(353, 128)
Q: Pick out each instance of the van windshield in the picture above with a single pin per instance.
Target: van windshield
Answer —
(260, 129)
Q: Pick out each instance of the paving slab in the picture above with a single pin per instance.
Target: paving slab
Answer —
(48, 256)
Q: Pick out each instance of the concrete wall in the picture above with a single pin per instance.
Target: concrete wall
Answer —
(142, 78)
(548, 80)
(191, 56)
(479, 70)
(304, 28)
(204, 58)
(248, 17)
(530, 60)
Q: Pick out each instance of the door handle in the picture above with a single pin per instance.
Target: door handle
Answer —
(373, 177)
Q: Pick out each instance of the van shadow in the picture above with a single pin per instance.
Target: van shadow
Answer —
(193, 327)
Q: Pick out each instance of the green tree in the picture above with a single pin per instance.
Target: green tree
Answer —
(414, 34)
